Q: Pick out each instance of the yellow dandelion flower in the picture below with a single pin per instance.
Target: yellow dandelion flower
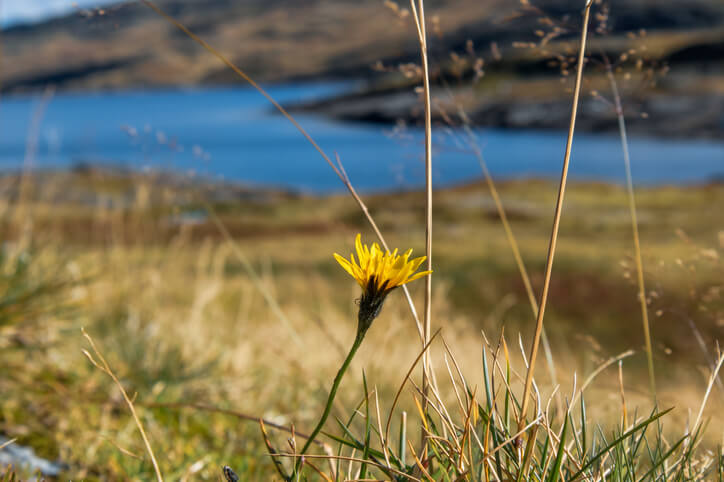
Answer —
(378, 272)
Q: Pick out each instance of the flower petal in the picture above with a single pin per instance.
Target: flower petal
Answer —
(416, 276)
(345, 264)
(417, 262)
(361, 253)
(381, 270)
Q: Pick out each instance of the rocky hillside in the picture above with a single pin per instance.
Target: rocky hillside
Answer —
(128, 45)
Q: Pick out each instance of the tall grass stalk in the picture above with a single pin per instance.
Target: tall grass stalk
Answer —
(345, 180)
(634, 225)
(419, 17)
(556, 219)
(516, 254)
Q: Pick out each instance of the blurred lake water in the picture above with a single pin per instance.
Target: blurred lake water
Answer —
(231, 133)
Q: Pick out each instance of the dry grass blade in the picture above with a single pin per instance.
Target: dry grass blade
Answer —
(597, 371)
(448, 424)
(557, 218)
(317, 470)
(701, 342)
(404, 381)
(515, 437)
(123, 450)
(384, 441)
(461, 406)
(7, 443)
(291, 119)
(468, 429)
(418, 462)
(273, 453)
(105, 368)
(419, 16)
(712, 378)
(566, 451)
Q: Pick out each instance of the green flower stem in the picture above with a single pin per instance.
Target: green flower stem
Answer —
(332, 394)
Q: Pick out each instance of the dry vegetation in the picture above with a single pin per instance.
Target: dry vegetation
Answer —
(181, 321)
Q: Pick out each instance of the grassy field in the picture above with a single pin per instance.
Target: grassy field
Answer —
(256, 321)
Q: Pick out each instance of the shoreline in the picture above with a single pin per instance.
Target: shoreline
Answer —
(657, 116)
(92, 183)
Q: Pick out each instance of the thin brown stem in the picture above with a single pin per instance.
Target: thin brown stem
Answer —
(419, 15)
(103, 366)
(712, 379)
(556, 220)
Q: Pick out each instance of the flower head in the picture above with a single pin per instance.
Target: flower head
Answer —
(378, 272)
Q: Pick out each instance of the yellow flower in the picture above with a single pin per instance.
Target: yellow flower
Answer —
(378, 272)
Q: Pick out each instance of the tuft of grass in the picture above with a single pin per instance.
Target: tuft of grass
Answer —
(29, 290)
(472, 436)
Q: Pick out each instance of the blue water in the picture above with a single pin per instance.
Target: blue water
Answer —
(232, 134)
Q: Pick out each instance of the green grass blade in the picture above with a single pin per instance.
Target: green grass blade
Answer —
(489, 398)
(365, 451)
(618, 440)
(555, 471)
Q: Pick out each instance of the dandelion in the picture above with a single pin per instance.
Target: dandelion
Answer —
(378, 272)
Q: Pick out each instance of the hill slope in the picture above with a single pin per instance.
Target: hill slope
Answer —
(128, 45)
